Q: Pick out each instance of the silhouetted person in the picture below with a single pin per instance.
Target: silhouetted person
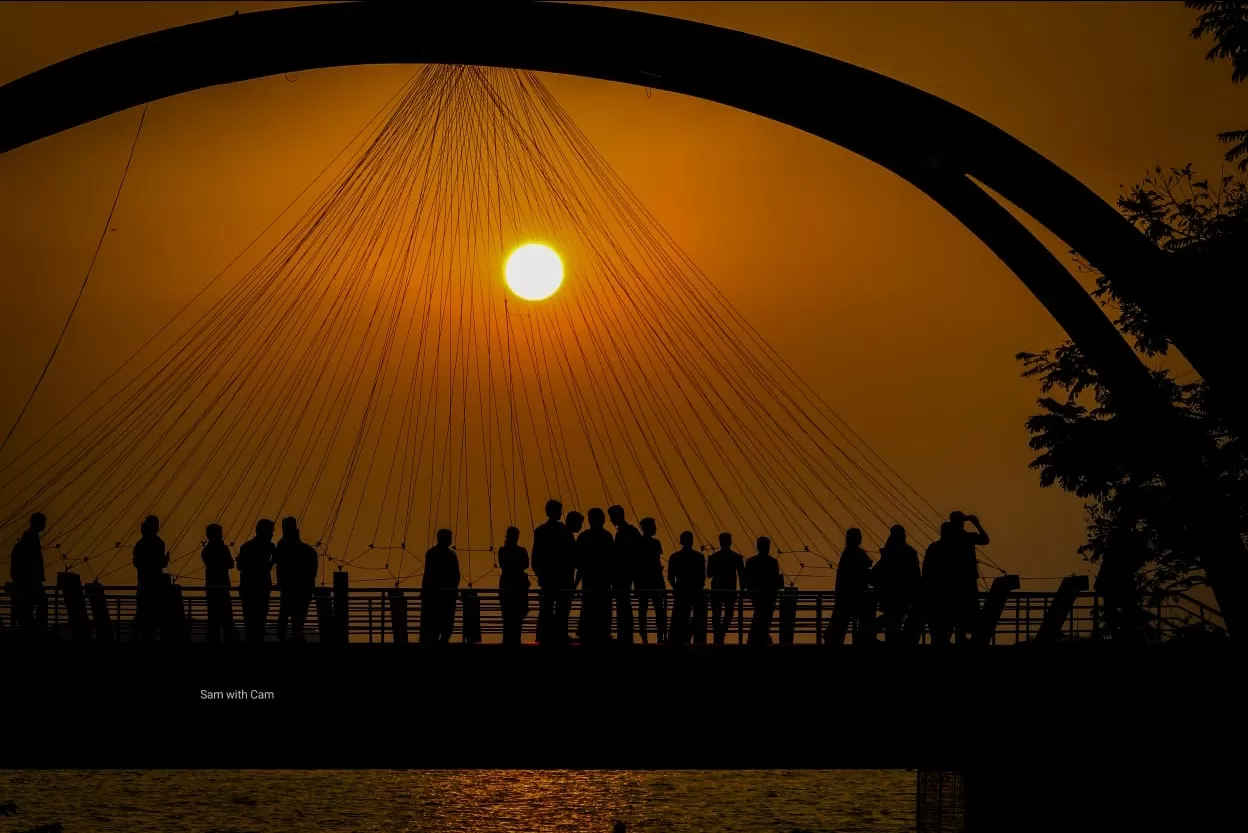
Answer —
(439, 590)
(297, 565)
(964, 574)
(937, 585)
(763, 579)
(26, 569)
(255, 580)
(218, 561)
(896, 578)
(854, 600)
(594, 560)
(564, 575)
(575, 523)
(150, 561)
(513, 585)
(686, 571)
(724, 568)
(648, 579)
(625, 556)
(550, 552)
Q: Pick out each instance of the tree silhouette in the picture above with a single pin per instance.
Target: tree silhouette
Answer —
(1082, 444)
(1227, 22)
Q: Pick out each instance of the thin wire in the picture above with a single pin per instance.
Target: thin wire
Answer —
(99, 245)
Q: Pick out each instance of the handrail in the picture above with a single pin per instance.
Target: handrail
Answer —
(368, 612)
(1201, 606)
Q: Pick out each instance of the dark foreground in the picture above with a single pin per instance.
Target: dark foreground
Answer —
(1134, 739)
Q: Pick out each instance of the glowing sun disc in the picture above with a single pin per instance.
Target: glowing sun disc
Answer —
(534, 272)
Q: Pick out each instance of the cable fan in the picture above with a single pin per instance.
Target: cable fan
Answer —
(373, 374)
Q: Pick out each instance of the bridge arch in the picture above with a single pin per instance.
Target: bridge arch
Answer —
(872, 115)
(867, 113)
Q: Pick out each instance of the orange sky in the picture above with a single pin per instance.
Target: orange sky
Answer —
(897, 316)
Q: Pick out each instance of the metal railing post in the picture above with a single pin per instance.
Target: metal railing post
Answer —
(740, 617)
(819, 618)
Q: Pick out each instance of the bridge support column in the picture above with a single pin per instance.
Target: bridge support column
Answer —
(994, 606)
(342, 615)
(1063, 603)
(940, 802)
(99, 612)
(398, 615)
(1112, 792)
(70, 586)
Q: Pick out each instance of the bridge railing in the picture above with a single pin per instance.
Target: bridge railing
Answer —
(370, 613)
(1179, 614)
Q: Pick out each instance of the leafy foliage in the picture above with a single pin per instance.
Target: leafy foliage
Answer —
(1227, 22)
(1079, 435)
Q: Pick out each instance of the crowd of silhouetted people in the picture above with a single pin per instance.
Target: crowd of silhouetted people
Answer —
(612, 570)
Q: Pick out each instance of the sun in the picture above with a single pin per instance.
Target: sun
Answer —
(534, 272)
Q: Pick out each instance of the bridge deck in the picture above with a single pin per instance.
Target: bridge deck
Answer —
(1070, 736)
(86, 705)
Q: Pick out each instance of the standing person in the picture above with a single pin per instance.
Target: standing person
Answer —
(764, 580)
(594, 559)
(936, 585)
(648, 579)
(150, 561)
(218, 561)
(439, 591)
(854, 601)
(724, 568)
(297, 564)
(255, 580)
(686, 571)
(513, 585)
(30, 602)
(566, 580)
(626, 555)
(550, 541)
(964, 574)
(896, 578)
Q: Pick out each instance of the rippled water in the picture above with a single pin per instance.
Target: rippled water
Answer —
(481, 801)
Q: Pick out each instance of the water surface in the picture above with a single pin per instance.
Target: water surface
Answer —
(462, 801)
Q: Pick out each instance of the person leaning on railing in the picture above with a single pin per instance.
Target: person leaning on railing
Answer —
(724, 568)
(255, 579)
(218, 561)
(686, 572)
(648, 579)
(150, 561)
(896, 577)
(513, 585)
(297, 565)
(551, 549)
(439, 588)
(30, 602)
